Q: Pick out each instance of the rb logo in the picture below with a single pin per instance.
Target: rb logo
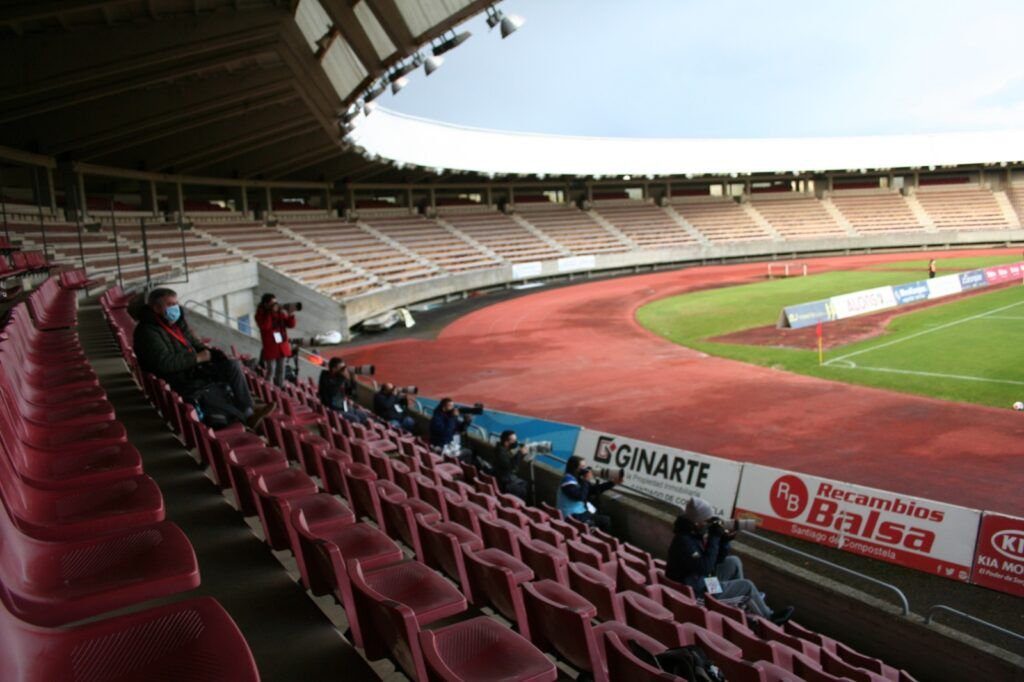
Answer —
(788, 497)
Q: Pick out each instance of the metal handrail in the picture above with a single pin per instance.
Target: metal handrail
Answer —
(903, 598)
(973, 619)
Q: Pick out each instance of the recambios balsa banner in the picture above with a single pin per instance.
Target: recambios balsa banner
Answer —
(666, 473)
(999, 559)
(913, 532)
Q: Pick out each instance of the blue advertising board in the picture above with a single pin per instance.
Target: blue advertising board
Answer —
(807, 314)
(911, 292)
(529, 429)
(973, 279)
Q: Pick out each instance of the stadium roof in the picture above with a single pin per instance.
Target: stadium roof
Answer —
(432, 144)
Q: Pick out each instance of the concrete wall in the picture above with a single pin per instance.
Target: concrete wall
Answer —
(319, 314)
(215, 283)
(360, 308)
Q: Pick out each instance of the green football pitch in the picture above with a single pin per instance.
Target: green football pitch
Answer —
(970, 349)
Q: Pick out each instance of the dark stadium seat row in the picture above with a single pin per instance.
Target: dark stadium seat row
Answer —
(82, 529)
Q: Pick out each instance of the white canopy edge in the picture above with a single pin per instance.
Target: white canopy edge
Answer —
(433, 144)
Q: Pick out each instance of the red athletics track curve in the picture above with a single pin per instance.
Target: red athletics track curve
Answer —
(576, 354)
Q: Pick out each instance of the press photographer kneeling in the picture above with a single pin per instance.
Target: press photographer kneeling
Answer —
(699, 557)
(393, 406)
(337, 389)
(578, 492)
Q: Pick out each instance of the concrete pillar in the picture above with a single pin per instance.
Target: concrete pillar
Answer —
(270, 202)
(408, 196)
(433, 200)
(489, 195)
(351, 198)
(47, 192)
(512, 195)
(327, 199)
(83, 206)
(245, 198)
(668, 190)
(178, 200)
(590, 193)
(147, 192)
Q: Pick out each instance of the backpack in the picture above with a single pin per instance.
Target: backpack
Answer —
(688, 662)
(215, 405)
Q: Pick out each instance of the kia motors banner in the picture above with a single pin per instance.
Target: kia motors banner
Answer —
(999, 559)
(666, 473)
(921, 534)
(999, 274)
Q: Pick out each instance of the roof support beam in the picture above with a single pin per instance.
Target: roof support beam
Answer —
(344, 19)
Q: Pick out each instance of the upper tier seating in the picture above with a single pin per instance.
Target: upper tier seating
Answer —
(876, 212)
(650, 226)
(961, 207)
(573, 229)
(800, 217)
(501, 234)
(721, 220)
(428, 239)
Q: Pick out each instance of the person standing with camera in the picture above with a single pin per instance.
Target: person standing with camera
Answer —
(274, 321)
(578, 490)
(699, 557)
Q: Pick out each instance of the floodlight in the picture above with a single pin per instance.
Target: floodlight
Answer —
(398, 83)
(350, 115)
(432, 64)
(451, 43)
(404, 69)
(373, 93)
(510, 24)
(368, 107)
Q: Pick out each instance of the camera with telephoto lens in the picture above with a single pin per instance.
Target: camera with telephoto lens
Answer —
(292, 307)
(408, 390)
(537, 447)
(732, 525)
(607, 473)
(363, 370)
(477, 409)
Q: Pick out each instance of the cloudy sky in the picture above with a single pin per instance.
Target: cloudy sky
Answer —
(734, 68)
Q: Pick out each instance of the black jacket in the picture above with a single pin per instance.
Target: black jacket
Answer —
(506, 463)
(166, 357)
(387, 406)
(690, 559)
(443, 427)
(334, 388)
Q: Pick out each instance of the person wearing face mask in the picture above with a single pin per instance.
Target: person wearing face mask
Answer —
(393, 407)
(166, 347)
(508, 457)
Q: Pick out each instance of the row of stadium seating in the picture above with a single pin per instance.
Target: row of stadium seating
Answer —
(353, 502)
(82, 528)
(387, 247)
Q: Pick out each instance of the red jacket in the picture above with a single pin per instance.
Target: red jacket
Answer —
(269, 323)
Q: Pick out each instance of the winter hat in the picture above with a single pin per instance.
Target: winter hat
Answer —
(698, 510)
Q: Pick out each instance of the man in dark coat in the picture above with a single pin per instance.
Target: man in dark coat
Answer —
(508, 457)
(166, 347)
(336, 388)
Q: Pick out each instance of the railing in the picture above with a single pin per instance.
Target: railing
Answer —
(904, 604)
(984, 623)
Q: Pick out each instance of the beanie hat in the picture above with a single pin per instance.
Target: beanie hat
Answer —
(698, 510)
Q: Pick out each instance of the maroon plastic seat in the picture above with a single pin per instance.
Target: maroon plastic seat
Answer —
(803, 669)
(545, 533)
(769, 631)
(590, 539)
(559, 623)
(859, 660)
(756, 649)
(331, 462)
(503, 535)
(402, 474)
(362, 494)
(624, 665)
(585, 554)
(270, 489)
(325, 552)
(629, 579)
(442, 548)
(832, 664)
(52, 583)
(245, 465)
(192, 640)
(481, 650)
(400, 520)
(598, 588)
(467, 514)
(494, 578)
(513, 515)
(685, 611)
(321, 513)
(727, 610)
(549, 563)
(651, 618)
(392, 604)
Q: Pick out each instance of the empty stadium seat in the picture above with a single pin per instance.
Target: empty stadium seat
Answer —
(598, 588)
(479, 650)
(624, 665)
(494, 578)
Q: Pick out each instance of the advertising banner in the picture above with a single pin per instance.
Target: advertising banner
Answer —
(666, 473)
(947, 285)
(999, 559)
(576, 263)
(972, 280)
(921, 534)
(911, 292)
(807, 314)
(998, 274)
(862, 302)
(526, 270)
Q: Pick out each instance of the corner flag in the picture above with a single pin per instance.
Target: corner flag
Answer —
(821, 348)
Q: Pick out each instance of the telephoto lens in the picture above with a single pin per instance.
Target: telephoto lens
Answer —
(364, 370)
(292, 307)
(739, 524)
(411, 390)
(609, 474)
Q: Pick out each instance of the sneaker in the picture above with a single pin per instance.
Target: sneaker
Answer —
(258, 414)
(781, 616)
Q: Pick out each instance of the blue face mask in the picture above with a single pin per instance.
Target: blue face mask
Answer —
(172, 313)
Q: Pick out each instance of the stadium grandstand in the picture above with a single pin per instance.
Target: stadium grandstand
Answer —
(224, 149)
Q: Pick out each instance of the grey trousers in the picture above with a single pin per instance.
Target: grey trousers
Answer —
(734, 585)
(276, 368)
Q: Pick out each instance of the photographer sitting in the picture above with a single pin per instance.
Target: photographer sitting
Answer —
(393, 407)
(578, 489)
(701, 562)
(509, 456)
(336, 387)
(446, 427)
(165, 346)
(274, 321)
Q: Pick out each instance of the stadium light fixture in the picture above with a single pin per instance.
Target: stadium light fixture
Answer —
(398, 83)
(351, 114)
(368, 107)
(404, 69)
(373, 93)
(432, 64)
(509, 23)
(451, 43)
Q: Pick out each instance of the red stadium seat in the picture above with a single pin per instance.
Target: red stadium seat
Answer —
(549, 563)
(481, 649)
(598, 588)
(442, 548)
(271, 489)
(502, 535)
(400, 520)
(321, 513)
(494, 577)
(653, 619)
(624, 665)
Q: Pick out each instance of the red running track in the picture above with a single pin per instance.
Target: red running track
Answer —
(576, 354)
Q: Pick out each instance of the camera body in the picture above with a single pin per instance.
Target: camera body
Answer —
(732, 525)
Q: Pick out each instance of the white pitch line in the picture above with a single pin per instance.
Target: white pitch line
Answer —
(923, 332)
(962, 377)
(1005, 317)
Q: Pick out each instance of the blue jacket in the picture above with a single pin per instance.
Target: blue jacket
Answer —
(690, 559)
(443, 428)
(574, 494)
